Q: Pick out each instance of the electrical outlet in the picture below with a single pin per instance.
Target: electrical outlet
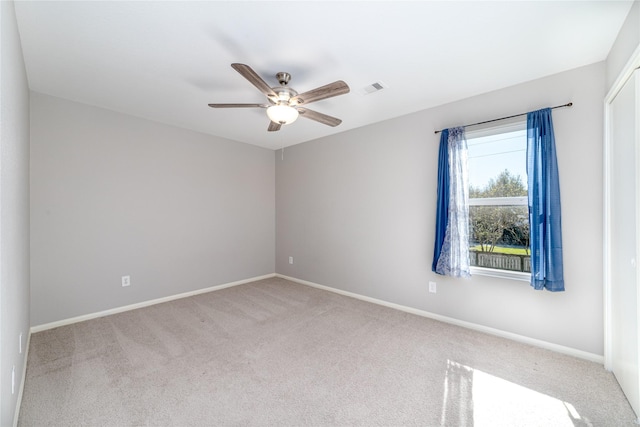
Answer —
(432, 287)
(290, 260)
(126, 281)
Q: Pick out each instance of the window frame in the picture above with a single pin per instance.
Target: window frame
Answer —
(513, 125)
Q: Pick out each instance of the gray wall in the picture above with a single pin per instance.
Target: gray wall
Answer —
(115, 195)
(357, 212)
(14, 211)
(626, 43)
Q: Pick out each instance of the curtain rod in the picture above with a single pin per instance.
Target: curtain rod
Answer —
(510, 117)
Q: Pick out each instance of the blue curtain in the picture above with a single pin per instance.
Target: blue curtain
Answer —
(453, 252)
(544, 203)
(442, 212)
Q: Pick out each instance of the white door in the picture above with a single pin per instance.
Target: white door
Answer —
(624, 227)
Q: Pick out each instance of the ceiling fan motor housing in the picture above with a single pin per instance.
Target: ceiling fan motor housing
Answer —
(284, 95)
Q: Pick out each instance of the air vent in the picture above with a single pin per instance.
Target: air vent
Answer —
(374, 87)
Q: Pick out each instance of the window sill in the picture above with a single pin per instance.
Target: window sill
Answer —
(501, 274)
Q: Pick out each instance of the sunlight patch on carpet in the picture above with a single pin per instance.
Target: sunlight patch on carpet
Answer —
(476, 398)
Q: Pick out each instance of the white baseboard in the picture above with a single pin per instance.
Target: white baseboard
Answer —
(480, 328)
(116, 310)
(16, 414)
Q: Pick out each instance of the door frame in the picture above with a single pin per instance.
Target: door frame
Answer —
(627, 71)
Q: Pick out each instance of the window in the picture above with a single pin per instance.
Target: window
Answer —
(498, 206)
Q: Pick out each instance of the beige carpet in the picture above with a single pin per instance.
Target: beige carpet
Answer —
(275, 353)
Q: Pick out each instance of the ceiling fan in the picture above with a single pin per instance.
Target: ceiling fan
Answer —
(285, 104)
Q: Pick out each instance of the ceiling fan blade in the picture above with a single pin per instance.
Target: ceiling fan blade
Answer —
(319, 117)
(248, 73)
(238, 105)
(273, 126)
(323, 92)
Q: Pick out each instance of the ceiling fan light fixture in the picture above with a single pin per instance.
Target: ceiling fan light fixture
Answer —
(285, 104)
(282, 114)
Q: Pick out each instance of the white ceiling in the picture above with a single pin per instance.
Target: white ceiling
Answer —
(165, 61)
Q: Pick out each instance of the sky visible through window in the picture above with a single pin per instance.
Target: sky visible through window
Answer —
(490, 155)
